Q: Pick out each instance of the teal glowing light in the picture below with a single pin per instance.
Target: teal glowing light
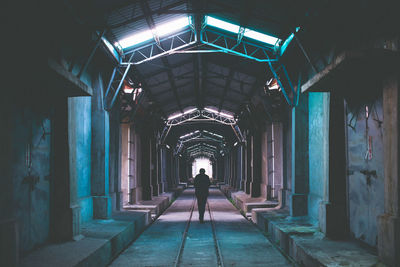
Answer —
(255, 35)
(222, 24)
(261, 37)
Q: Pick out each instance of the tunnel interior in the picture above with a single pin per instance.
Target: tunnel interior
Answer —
(110, 108)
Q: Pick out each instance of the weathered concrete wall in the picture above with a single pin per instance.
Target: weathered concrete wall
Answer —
(31, 203)
(24, 200)
(80, 137)
(366, 177)
(318, 151)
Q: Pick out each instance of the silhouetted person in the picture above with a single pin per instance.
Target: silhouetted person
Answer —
(201, 184)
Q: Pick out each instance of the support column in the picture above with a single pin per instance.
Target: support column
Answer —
(146, 167)
(102, 202)
(298, 198)
(389, 222)
(63, 215)
(256, 163)
(249, 164)
(125, 153)
(333, 212)
(153, 167)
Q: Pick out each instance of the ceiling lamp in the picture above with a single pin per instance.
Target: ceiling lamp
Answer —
(160, 31)
(272, 84)
(233, 28)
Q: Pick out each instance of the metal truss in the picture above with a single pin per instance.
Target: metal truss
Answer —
(220, 42)
(200, 115)
(200, 136)
(117, 79)
(236, 46)
(148, 52)
(204, 154)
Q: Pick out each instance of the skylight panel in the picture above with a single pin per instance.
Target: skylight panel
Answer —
(174, 116)
(172, 26)
(136, 38)
(255, 35)
(224, 114)
(160, 30)
(222, 24)
(261, 37)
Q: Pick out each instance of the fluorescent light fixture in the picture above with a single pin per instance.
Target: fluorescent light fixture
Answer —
(211, 110)
(258, 36)
(174, 116)
(161, 30)
(136, 38)
(222, 24)
(235, 144)
(190, 110)
(261, 37)
(168, 146)
(128, 90)
(219, 113)
(172, 26)
(226, 115)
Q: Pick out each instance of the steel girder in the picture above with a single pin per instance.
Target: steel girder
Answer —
(200, 115)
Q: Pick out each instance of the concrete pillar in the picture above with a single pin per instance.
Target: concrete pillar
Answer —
(264, 164)
(115, 159)
(125, 189)
(163, 166)
(64, 220)
(159, 170)
(299, 195)
(256, 165)
(102, 202)
(249, 164)
(389, 222)
(277, 130)
(153, 167)
(333, 211)
(146, 166)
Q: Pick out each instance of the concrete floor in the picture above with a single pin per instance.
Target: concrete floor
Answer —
(240, 242)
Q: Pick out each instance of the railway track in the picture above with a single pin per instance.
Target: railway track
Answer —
(178, 259)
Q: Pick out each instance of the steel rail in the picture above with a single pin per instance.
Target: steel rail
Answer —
(216, 244)
(184, 236)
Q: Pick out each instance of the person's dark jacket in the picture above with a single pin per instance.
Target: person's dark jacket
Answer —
(201, 184)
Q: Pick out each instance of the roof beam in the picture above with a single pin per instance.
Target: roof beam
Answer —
(196, 80)
(150, 22)
(226, 88)
(150, 13)
(179, 77)
(164, 69)
(204, 70)
(172, 82)
(250, 95)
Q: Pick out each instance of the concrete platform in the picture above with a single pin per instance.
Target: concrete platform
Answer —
(159, 203)
(246, 203)
(306, 245)
(102, 241)
(227, 190)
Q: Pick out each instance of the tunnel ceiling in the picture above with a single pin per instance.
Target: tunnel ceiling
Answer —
(178, 81)
(175, 82)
